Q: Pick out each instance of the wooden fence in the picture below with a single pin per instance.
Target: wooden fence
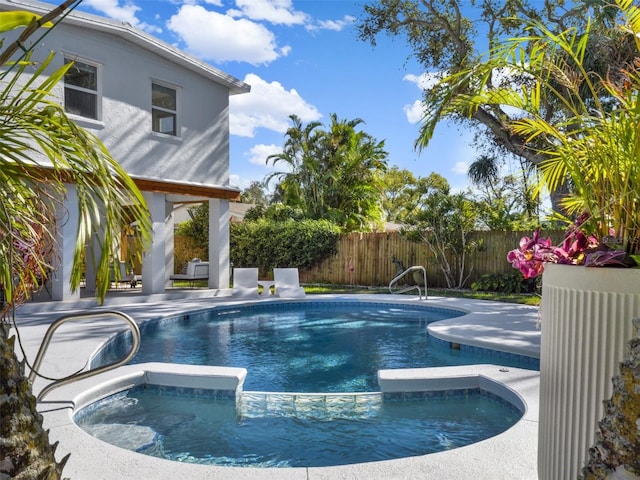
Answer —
(373, 254)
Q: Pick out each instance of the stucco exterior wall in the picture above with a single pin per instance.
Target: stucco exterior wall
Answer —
(200, 151)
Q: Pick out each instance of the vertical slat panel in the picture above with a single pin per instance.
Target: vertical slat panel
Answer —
(586, 322)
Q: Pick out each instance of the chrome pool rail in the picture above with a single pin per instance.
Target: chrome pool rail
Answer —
(411, 287)
(135, 333)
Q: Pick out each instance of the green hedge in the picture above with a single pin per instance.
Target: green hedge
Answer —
(291, 243)
(505, 283)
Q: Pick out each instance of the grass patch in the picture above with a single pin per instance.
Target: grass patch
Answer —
(521, 298)
(314, 289)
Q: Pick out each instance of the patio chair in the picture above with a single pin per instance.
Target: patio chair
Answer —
(245, 282)
(287, 283)
(126, 276)
(194, 270)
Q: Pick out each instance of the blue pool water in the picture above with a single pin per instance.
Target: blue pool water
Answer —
(331, 348)
(297, 431)
(308, 346)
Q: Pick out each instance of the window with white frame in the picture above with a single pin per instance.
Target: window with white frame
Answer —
(81, 95)
(164, 109)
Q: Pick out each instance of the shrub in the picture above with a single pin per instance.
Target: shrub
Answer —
(504, 283)
(291, 243)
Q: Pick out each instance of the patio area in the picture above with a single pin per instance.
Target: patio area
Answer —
(507, 327)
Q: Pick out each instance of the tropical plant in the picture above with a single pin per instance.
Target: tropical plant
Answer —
(333, 174)
(41, 152)
(451, 37)
(594, 146)
(577, 248)
(443, 221)
(504, 283)
(399, 186)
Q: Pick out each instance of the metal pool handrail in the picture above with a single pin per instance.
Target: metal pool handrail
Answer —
(412, 287)
(135, 331)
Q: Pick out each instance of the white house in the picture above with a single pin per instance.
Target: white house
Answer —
(163, 115)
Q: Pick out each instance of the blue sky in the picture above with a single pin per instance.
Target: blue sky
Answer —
(301, 57)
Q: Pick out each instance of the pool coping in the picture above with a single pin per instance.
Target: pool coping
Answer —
(509, 327)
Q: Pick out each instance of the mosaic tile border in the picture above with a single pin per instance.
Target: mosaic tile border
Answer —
(452, 393)
(494, 356)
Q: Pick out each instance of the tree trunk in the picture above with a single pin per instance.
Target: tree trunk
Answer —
(25, 450)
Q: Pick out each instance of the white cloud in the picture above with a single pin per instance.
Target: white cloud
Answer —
(424, 81)
(259, 153)
(234, 180)
(278, 12)
(460, 168)
(335, 25)
(268, 105)
(414, 112)
(125, 13)
(216, 37)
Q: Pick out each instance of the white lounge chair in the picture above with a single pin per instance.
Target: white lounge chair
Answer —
(194, 270)
(245, 282)
(287, 283)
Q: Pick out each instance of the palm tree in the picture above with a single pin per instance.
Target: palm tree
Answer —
(42, 152)
(297, 179)
(335, 174)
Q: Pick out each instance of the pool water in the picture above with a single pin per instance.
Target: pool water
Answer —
(298, 432)
(305, 347)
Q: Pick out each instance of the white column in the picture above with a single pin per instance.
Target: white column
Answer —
(153, 263)
(169, 245)
(67, 220)
(218, 243)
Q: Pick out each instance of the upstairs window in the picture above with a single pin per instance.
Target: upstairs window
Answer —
(81, 89)
(164, 109)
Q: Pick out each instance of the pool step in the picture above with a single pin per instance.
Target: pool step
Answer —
(309, 406)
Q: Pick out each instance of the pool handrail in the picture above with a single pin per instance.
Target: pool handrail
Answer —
(74, 377)
(411, 287)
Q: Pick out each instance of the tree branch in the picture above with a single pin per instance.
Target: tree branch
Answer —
(32, 27)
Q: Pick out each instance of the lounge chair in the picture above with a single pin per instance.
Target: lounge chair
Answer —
(287, 283)
(245, 282)
(126, 276)
(194, 270)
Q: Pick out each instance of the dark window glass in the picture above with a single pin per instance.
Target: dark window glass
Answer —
(80, 103)
(82, 75)
(164, 109)
(81, 89)
(164, 122)
(163, 97)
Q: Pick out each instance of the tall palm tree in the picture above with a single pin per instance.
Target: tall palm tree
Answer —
(333, 174)
(42, 152)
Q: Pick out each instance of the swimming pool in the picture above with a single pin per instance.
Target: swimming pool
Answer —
(299, 347)
(308, 346)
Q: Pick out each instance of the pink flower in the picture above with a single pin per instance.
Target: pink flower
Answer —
(577, 248)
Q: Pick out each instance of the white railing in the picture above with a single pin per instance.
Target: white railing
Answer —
(135, 332)
(400, 276)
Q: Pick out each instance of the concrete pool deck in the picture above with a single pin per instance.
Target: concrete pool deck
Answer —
(506, 327)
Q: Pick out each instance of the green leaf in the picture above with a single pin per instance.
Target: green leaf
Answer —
(11, 20)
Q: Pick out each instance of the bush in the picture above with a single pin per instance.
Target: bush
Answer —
(504, 283)
(291, 243)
